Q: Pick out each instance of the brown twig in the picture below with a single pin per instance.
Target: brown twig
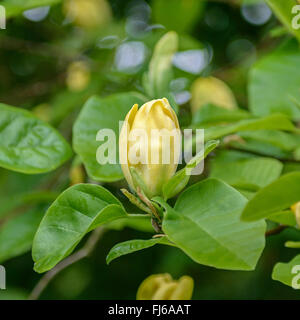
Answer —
(80, 254)
(276, 230)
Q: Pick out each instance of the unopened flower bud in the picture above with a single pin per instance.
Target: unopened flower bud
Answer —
(150, 146)
(163, 287)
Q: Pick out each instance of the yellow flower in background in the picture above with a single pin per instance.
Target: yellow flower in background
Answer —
(88, 13)
(163, 287)
(78, 76)
(150, 144)
(211, 90)
(296, 209)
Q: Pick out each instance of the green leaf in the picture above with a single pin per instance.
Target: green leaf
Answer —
(102, 113)
(248, 174)
(291, 167)
(16, 235)
(283, 140)
(73, 214)
(16, 7)
(246, 193)
(260, 147)
(205, 223)
(29, 145)
(179, 181)
(287, 273)
(138, 180)
(297, 154)
(166, 13)
(131, 246)
(211, 114)
(283, 10)
(285, 217)
(140, 222)
(274, 82)
(272, 122)
(176, 184)
(275, 197)
(156, 81)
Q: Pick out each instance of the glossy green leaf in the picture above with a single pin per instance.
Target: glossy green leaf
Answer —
(288, 273)
(275, 197)
(291, 167)
(283, 140)
(29, 145)
(102, 113)
(16, 7)
(246, 193)
(273, 143)
(74, 213)
(260, 147)
(205, 223)
(179, 181)
(176, 184)
(213, 114)
(285, 217)
(273, 82)
(297, 154)
(249, 174)
(272, 122)
(156, 81)
(16, 235)
(131, 246)
(284, 11)
(140, 222)
(227, 156)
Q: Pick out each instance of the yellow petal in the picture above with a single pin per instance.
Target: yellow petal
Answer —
(151, 284)
(123, 144)
(165, 291)
(184, 289)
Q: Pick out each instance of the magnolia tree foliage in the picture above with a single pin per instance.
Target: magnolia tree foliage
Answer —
(249, 188)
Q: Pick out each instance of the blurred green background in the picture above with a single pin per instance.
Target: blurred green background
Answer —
(53, 59)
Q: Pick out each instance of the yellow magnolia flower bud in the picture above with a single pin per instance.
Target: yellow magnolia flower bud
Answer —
(163, 287)
(150, 146)
(296, 209)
